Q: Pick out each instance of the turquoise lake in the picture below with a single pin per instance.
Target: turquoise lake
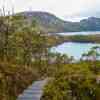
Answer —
(74, 49)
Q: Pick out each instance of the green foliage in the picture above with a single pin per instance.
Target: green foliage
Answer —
(83, 38)
(93, 54)
(74, 82)
(24, 57)
(20, 41)
(13, 79)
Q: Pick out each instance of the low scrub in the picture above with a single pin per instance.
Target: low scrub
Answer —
(74, 82)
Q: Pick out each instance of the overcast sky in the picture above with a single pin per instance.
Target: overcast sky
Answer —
(61, 8)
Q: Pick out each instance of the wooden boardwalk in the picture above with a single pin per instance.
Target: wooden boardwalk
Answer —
(33, 92)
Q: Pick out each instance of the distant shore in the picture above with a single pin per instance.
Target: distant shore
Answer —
(58, 39)
(83, 38)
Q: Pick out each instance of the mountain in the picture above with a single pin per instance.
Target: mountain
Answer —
(52, 24)
(46, 21)
(90, 24)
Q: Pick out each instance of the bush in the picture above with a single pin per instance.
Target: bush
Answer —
(73, 82)
(13, 79)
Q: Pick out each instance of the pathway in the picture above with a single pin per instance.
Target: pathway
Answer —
(33, 92)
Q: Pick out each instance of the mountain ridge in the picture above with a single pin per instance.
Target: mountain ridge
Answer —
(53, 24)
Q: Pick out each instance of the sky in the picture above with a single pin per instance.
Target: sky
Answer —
(66, 9)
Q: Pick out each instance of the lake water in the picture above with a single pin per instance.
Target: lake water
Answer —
(80, 33)
(75, 49)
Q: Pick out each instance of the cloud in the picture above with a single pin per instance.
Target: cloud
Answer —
(61, 8)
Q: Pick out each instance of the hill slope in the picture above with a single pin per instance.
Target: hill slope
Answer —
(50, 23)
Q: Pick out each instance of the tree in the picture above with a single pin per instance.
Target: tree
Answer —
(92, 55)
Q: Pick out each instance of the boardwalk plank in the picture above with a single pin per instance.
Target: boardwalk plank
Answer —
(33, 92)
